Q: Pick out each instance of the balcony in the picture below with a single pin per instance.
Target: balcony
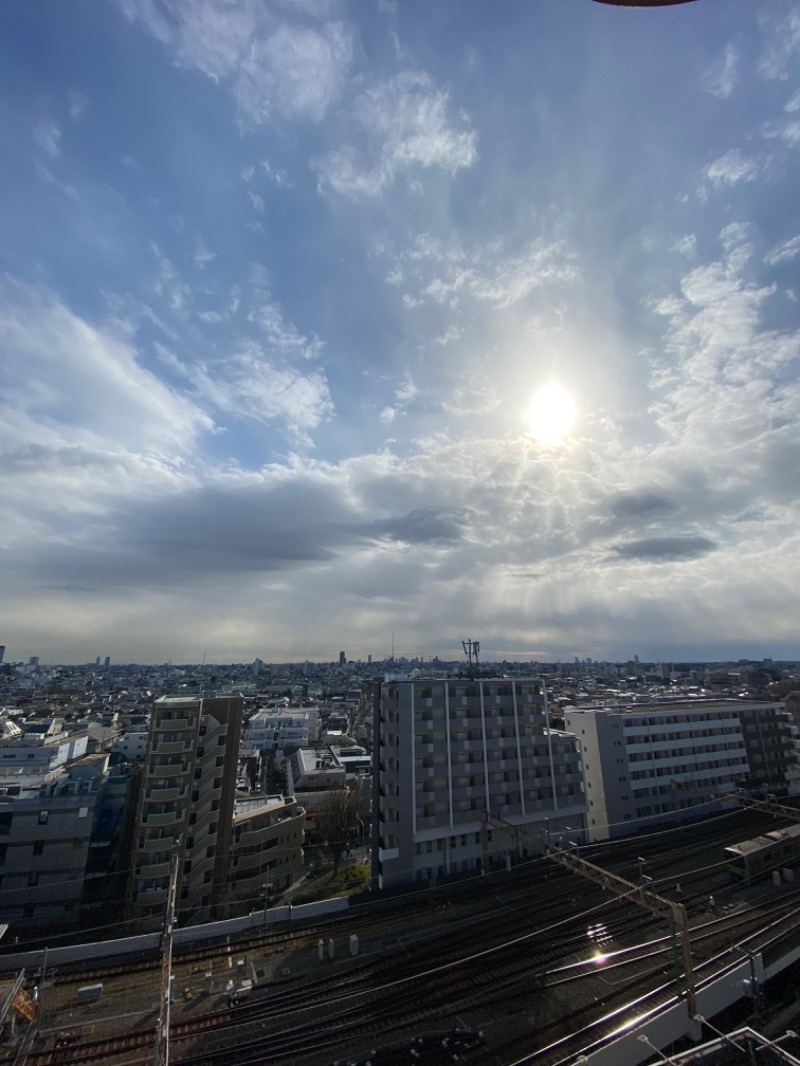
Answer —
(167, 818)
(157, 843)
(169, 770)
(153, 870)
(165, 795)
(174, 747)
(174, 725)
(151, 897)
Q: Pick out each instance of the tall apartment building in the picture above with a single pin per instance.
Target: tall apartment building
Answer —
(451, 750)
(187, 804)
(647, 766)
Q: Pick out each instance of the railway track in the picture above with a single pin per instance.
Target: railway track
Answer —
(381, 1002)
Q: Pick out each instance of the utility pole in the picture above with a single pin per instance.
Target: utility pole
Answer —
(162, 1037)
(643, 896)
(768, 806)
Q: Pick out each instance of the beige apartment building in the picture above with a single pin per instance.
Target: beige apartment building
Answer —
(267, 848)
(186, 806)
(452, 751)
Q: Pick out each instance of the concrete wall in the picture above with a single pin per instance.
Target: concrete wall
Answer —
(192, 934)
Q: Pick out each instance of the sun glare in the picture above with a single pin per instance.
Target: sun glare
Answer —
(552, 414)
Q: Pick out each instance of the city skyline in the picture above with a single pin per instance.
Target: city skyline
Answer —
(322, 321)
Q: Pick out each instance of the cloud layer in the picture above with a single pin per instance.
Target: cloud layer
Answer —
(281, 281)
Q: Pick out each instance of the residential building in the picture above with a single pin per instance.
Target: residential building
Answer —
(133, 745)
(772, 740)
(27, 756)
(267, 847)
(650, 765)
(315, 771)
(451, 752)
(63, 843)
(186, 805)
(280, 728)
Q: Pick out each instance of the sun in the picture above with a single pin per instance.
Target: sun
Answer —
(552, 414)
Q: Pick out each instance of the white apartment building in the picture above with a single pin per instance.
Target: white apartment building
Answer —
(647, 766)
(42, 749)
(131, 745)
(276, 729)
(453, 750)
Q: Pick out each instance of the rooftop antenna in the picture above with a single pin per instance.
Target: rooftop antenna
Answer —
(202, 668)
(471, 649)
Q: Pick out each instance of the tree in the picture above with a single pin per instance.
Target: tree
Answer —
(337, 821)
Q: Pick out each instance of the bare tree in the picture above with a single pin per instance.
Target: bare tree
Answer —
(337, 821)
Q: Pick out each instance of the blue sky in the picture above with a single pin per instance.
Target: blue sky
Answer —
(281, 281)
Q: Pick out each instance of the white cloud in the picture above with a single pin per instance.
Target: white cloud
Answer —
(202, 256)
(451, 334)
(85, 382)
(78, 103)
(257, 201)
(686, 245)
(793, 103)
(782, 41)
(722, 80)
(276, 175)
(443, 274)
(47, 136)
(783, 252)
(298, 71)
(289, 68)
(786, 130)
(282, 336)
(731, 168)
(248, 385)
(404, 124)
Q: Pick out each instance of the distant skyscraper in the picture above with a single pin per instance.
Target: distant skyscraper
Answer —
(97, 661)
(107, 662)
(342, 658)
(2, 651)
(369, 659)
(33, 661)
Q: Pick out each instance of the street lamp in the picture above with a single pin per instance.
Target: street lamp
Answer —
(642, 864)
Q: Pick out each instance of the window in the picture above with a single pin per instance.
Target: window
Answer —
(83, 812)
(38, 847)
(33, 878)
(43, 817)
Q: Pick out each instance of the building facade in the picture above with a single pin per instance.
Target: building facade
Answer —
(772, 740)
(186, 806)
(281, 728)
(649, 765)
(451, 751)
(267, 848)
(63, 843)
